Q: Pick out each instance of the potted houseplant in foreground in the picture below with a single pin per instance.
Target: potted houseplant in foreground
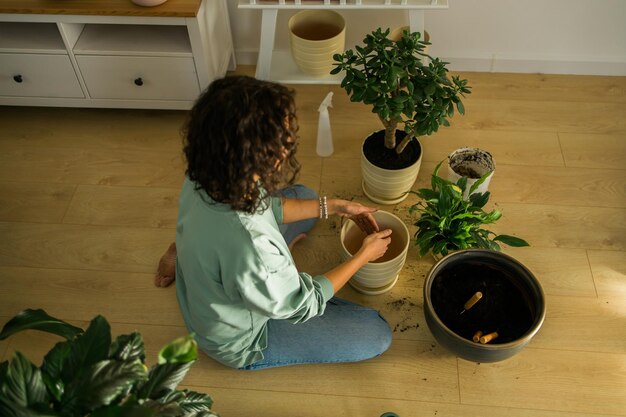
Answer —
(407, 87)
(481, 304)
(89, 374)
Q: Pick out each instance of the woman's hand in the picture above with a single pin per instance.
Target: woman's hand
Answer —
(375, 245)
(358, 213)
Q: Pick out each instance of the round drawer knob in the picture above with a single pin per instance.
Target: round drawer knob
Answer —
(18, 78)
(138, 81)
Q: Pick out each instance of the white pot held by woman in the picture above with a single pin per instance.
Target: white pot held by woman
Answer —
(381, 275)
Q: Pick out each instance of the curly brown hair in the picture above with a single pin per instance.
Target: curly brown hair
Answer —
(238, 129)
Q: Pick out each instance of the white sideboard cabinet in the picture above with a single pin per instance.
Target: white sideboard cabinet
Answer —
(114, 54)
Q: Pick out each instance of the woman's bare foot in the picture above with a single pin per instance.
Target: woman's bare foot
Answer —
(166, 271)
(296, 240)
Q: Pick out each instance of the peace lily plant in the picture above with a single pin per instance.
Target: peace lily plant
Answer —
(448, 222)
(89, 374)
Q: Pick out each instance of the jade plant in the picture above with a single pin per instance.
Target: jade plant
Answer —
(403, 84)
(89, 374)
(448, 222)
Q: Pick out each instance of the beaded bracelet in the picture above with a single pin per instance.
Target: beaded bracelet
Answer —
(323, 208)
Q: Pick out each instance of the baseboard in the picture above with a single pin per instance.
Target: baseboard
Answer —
(544, 66)
(504, 64)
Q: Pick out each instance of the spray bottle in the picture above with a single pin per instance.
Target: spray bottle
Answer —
(324, 135)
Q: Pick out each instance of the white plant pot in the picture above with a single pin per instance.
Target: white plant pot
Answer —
(388, 186)
(381, 275)
(472, 163)
(315, 36)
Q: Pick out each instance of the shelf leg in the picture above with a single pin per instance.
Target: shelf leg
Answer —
(266, 45)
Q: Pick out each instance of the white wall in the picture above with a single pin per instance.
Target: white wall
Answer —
(548, 36)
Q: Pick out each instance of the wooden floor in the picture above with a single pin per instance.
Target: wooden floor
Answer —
(88, 202)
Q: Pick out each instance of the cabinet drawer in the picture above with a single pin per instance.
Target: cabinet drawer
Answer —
(153, 78)
(38, 75)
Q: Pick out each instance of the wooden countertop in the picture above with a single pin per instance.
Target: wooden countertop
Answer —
(177, 8)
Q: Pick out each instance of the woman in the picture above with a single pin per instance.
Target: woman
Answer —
(236, 282)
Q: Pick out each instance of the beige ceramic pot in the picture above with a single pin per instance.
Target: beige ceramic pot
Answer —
(381, 275)
(388, 186)
(315, 36)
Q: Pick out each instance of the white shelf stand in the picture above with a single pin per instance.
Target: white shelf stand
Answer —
(269, 61)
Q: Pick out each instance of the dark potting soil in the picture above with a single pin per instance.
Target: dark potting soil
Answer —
(375, 151)
(467, 172)
(503, 307)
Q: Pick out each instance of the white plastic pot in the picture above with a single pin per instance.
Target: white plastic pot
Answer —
(381, 275)
(472, 163)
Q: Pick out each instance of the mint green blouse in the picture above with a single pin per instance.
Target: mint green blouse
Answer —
(234, 272)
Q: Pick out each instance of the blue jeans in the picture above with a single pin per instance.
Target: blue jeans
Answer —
(346, 332)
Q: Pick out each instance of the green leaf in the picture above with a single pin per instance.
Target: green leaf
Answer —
(22, 384)
(146, 408)
(460, 107)
(126, 410)
(88, 349)
(479, 182)
(493, 245)
(435, 172)
(462, 183)
(195, 402)
(39, 320)
(427, 194)
(99, 384)
(4, 368)
(511, 240)
(430, 89)
(128, 347)
(182, 350)
(52, 368)
(162, 379)
(201, 414)
(479, 200)
(335, 70)
(8, 409)
(492, 217)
